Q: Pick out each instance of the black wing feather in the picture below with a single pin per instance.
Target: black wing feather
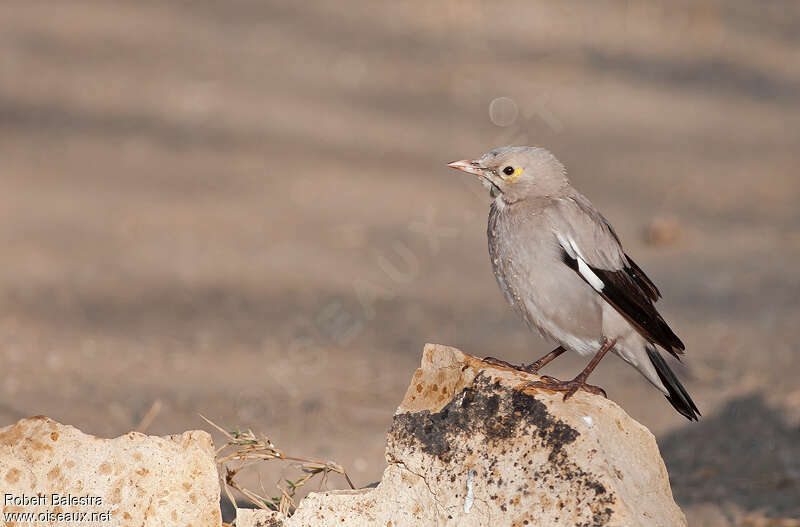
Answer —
(642, 280)
(632, 294)
(633, 270)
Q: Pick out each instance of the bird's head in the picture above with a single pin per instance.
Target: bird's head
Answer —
(517, 172)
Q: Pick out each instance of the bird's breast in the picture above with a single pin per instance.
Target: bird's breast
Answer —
(544, 292)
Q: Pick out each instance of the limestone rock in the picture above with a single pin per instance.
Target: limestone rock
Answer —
(134, 480)
(468, 448)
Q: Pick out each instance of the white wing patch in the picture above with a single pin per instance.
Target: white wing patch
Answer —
(590, 277)
(586, 272)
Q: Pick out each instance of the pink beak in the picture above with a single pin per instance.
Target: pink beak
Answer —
(470, 167)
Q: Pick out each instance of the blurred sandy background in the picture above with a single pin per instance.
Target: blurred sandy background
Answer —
(241, 209)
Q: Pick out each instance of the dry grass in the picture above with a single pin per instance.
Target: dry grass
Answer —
(246, 450)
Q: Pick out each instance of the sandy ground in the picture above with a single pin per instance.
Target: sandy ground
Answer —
(241, 209)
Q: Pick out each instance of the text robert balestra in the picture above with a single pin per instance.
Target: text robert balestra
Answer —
(52, 500)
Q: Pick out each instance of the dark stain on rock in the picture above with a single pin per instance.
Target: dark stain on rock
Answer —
(596, 486)
(484, 408)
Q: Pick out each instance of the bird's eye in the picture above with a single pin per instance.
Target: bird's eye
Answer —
(508, 170)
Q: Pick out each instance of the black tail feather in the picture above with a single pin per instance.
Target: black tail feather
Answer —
(678, 396)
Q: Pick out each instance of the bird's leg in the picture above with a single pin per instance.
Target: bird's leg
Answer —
(579, 382)
(533, 367)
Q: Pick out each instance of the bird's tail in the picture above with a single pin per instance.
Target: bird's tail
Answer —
(678, 397)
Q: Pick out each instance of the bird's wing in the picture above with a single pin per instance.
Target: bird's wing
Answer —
(592, 249)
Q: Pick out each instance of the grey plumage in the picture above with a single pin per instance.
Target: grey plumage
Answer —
(562, 267)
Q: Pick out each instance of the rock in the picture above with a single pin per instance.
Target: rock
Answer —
(468, 448)
(135, 479)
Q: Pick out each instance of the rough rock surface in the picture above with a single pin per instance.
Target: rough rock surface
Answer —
(140, 480)
(467, 447)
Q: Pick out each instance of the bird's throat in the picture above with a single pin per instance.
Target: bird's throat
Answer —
(493, 189)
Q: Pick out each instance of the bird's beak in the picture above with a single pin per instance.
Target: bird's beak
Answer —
(470, 167)
(486, 176)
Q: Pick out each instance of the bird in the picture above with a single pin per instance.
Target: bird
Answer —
(562, 267)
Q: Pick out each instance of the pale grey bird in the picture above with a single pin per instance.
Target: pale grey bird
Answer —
(562, 268)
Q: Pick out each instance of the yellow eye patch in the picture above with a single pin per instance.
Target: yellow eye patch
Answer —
(514, 176)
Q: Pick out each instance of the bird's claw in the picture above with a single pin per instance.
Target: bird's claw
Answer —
(533, 367)
(568, 387)
(499, 362)
(530, 368)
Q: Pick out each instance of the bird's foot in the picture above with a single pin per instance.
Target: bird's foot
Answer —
(568, 387)
(534, 366)
(530, 368)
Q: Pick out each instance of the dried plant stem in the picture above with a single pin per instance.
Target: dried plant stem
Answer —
(245, 450)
